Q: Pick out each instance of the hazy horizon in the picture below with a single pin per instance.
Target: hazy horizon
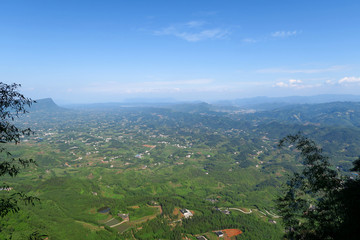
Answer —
(88, 52)
(292, 99)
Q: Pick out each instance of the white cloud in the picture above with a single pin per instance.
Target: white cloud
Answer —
(281, 84)
(249, 40)
(308, 71)
(283, 34)
(278, 34)
(330, 82)
(193, 31)
(194, 24)
(349, 80)
(295, 83)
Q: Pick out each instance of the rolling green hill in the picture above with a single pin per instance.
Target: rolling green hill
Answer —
(147, 163)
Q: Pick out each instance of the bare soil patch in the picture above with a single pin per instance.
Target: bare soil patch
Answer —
(176, 211)
(149, 146)
(232, 232)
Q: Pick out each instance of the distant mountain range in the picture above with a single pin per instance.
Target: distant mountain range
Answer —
(256, 104)
(345, 114)
(268, 103)
(335, 121)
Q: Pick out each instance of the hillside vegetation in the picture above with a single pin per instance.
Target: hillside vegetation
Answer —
(147, 163)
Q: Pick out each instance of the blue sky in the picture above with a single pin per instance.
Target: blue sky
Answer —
(108, 51)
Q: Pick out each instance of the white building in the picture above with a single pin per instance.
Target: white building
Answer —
(186, 213)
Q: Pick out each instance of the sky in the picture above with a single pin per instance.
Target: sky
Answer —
(86, 51)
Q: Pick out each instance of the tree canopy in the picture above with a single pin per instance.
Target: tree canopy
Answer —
(12, 105)
(319, 203)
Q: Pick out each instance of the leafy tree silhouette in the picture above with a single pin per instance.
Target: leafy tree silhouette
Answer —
(318, 202)
(12, 105)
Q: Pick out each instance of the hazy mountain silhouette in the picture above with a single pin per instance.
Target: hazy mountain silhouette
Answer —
(45, 105)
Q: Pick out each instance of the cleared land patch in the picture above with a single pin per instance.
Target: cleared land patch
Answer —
(232, 232)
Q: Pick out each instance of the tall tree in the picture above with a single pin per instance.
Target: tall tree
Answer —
(318, 202)
(349, 201)
(12, 105)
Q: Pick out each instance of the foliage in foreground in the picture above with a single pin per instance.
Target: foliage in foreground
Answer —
(318, 203)
(12, 105)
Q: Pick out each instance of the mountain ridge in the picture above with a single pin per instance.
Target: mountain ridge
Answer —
(45, 105)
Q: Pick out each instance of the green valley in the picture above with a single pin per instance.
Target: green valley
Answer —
(126, 172)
